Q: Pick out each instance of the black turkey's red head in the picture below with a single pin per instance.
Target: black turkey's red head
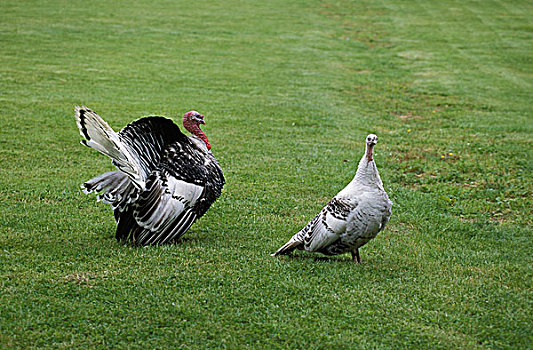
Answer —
(192, 118)
(192, 121)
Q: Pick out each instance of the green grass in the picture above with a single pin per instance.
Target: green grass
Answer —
(290, 89)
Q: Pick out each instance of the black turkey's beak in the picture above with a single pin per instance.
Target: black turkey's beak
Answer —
(200, 119)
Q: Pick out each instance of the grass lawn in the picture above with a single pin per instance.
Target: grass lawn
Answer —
(290, 89)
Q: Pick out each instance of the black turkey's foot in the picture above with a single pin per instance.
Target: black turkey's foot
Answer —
(355, 256)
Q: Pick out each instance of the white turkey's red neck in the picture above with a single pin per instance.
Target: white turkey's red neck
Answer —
(193, 127)
(369, 150)
(367, 173)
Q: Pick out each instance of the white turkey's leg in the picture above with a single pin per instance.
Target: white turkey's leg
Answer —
(355, 255)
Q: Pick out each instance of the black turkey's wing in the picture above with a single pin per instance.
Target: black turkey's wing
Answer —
(165, 210)
(185, 162)
(183, 186)
(147, 137)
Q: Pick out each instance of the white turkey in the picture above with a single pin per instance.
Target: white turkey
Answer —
(352, 218)
(165, 180)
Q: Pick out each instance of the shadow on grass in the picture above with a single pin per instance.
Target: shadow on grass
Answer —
(182, 241)
(310, 256)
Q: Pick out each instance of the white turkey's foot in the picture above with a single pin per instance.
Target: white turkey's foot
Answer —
(355, 256)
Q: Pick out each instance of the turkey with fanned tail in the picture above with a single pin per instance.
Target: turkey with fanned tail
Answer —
(165, 180)
(352, 218)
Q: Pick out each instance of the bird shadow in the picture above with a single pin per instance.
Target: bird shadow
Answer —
(176, 242)
(187, 239)
(319, 258)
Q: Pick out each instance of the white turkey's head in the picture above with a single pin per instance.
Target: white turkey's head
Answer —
(371, 141)
(192, 121)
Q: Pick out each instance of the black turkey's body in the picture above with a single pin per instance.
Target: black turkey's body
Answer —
(165, 182)
(188, 165)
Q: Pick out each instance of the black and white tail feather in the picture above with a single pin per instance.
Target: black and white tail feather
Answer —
(288, 247)
(317, 234)
(164, 181)
(99, 135)
(114, 188)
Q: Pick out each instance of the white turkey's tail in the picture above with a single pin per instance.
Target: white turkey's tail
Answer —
(99, 135)
(288, 247)
(113, 187)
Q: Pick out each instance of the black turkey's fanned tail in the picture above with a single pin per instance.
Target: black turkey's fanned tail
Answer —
(148, 136)
(113, 187)
(101, 137)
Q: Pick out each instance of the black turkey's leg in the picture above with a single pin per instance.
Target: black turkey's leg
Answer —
(355, 255)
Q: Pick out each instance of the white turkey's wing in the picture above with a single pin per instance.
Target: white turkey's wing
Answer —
(320, 235)
(164, 201)
(328, 225)
(366, 221)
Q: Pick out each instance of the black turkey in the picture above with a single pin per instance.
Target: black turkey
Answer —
(352, 218)
(165, 180)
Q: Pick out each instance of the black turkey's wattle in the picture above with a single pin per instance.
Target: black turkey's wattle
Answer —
(193, 127)
(203, 137)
